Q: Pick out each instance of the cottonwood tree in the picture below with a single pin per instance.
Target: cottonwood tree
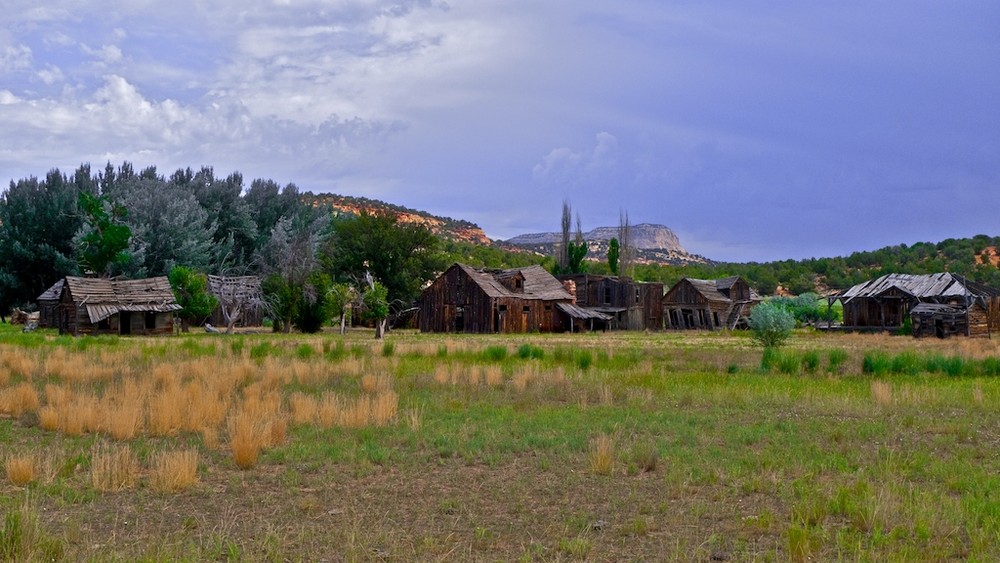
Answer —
(289, 260)
(613, 255)
(190, 288)
(576, 251)
(375, 303)
(402, 257)
(168, 225)
(38, 221)
(103, 240)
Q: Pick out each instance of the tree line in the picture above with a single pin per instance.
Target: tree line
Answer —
(121, 222)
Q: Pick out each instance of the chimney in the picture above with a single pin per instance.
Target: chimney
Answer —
(570, 286)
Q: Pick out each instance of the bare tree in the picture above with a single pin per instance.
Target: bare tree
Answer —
(238, 296)
(626, 260)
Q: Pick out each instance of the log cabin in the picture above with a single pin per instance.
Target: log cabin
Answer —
(709, 304)
(106, 306)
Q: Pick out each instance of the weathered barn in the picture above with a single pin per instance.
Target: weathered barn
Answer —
(709, 304)
(241, 300)
(519, 300)
(48, 306)
(106, 306)
(885, 303)
(631, 305)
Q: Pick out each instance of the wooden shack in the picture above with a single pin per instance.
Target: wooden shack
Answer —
(241, 300)
(632, 305)
(48, 306)
(486, 301)
(709, 304)
(106, 306)
(941, 304)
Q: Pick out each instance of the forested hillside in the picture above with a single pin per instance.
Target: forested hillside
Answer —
(974, 257)
(119, 221)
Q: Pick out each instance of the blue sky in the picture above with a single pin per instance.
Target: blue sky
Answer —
(755, 130)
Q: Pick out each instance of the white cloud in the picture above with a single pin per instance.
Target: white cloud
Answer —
(15, 57)
(50, 75)
(106, 53)
(7, 98)
(563, 167)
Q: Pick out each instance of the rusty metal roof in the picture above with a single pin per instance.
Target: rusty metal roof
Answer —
(578, 312)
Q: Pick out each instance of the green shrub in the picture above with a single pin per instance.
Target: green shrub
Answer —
(906, 363)
(495, 353)
(836, 358)
(771, 324)
(876, 363)
(810, 361)
(584, 359)
(530, 351)
(304, 351)
(388, 349)
(990, 366)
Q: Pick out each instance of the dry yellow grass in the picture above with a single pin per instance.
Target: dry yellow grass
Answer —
(113, 467)
(493, 375)
(245, 439)
(385, 408)
(167, 409)
(882, 393)
(602, 455)
(19, 362)
(19, 399)
(174, 471)
(415, 418)
(48, 418)
(605, 395)
(372, 383)
(21, 469)
(328, 413)
(304, 407)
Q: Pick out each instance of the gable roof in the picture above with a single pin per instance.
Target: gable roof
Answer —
(52, 293)
(926, 286)
(103, 297)
(538, 283)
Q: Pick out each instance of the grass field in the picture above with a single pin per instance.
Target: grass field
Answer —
(604, 447)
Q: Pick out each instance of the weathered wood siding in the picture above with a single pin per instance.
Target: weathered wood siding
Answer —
(454, 303)
(643, 302)
(685, 307)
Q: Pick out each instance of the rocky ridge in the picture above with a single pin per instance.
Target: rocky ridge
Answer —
(653, 243)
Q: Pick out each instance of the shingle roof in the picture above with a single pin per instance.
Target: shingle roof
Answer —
(944, 284)
(103, 297)
(538, 283)
(52, 293)
(709, 289)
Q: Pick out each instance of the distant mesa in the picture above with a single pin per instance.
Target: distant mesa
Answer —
(653, 243)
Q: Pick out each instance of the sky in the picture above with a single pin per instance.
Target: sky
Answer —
(756, 130)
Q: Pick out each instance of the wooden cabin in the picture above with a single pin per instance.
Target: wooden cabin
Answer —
(709, 304)
(106, 306)
(631, 305)
(239, 297)
(485, 301)
(48, 306)
(940, 304)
